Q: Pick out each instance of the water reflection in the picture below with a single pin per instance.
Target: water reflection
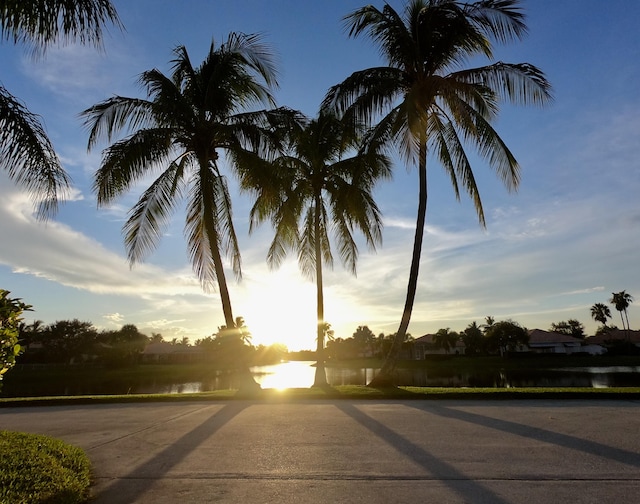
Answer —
(301, 375)
(295, 374)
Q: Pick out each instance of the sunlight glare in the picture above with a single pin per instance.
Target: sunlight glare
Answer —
(295, 374)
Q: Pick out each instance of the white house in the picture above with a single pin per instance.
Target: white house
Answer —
(551, 342)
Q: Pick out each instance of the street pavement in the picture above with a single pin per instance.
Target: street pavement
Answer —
(352, 451)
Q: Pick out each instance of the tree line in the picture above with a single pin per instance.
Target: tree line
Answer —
(312, 178)
(77, 342)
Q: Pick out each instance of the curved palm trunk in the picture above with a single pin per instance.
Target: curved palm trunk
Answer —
(626, 314)
(245, 381)
(212, 235)
(386, 378)
(321, 375)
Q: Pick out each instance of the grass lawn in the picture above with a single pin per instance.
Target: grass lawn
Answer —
(40, 469)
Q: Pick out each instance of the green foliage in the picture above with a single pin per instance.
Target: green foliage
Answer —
(571, 327)
(122, 347)
(473, 339)
(36, 468)
(446, 339)
(10, 312)
(505, 336)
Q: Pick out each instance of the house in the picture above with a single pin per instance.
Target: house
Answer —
(615, 335)
(551, 342)
(425, 345)
(163, 351)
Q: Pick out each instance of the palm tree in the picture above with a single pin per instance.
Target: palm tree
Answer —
(621, 300)
(600, 312)
(188, 118)
(323, 182)
(26, 153)
(432, 106)
(445, 339)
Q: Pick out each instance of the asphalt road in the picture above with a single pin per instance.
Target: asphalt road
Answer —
(347, 451)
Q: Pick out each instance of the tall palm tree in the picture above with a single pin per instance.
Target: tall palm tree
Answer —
(189, 118)
(323, 182)
(621, 300)
(26, 153)
(600, 312)
(431, 106)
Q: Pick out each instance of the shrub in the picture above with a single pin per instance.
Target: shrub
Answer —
(38, 469)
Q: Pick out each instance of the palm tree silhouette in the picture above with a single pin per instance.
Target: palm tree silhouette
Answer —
(432, 106)
(188, 120)
(621, 300)
(323, 182)
(26, 153)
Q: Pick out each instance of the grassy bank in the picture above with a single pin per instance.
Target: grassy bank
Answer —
(344, 392)
(93, 381)
(36, 468)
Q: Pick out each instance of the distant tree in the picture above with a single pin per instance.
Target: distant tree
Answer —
(621, 300)
(600, 312)
(122, 347)
(69, 341)
(606, 329)
(571, 327)
(155, 338)
(505, 336)
(473, 339)
(26, 153)
(11, 310)
(365, 339)
(489, 321)
(445, 339)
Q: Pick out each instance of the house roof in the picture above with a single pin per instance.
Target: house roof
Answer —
(166, 348)
(614, 335)
(538, 337)
(428, 339)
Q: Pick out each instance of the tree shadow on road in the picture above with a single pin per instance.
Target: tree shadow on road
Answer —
(131, 487)
(528, 431)
(438, 469)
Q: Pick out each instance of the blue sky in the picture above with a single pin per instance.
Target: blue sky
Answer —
(566, 240)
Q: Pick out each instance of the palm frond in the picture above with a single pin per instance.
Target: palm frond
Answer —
(40, 24)
(519, 83)
(149, 217)
(127, 161)
(107, 119)
(28, 157)
(500, 19)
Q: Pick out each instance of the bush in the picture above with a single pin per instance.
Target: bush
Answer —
(10, 311)
(38, 469)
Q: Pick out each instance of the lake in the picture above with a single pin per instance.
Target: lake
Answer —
(300, 374)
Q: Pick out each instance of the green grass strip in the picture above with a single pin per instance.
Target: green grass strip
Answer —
(40, 469)
(353, 392)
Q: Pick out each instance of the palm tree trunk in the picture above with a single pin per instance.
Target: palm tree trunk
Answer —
(386, 378)
(225, 299)
(321, 375)
(626, 314)
(212, 235)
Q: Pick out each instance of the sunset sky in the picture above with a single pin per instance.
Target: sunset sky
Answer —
(566, 240)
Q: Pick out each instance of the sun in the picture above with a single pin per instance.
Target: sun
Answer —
(280, 307)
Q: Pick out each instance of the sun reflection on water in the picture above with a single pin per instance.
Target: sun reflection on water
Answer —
(295, 374)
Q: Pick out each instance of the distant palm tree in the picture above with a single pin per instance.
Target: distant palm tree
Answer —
(324, 182)
(621, 300)
(189, 118)
(600, 312)
(26, 153)
(445, 339)
(434, 106)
